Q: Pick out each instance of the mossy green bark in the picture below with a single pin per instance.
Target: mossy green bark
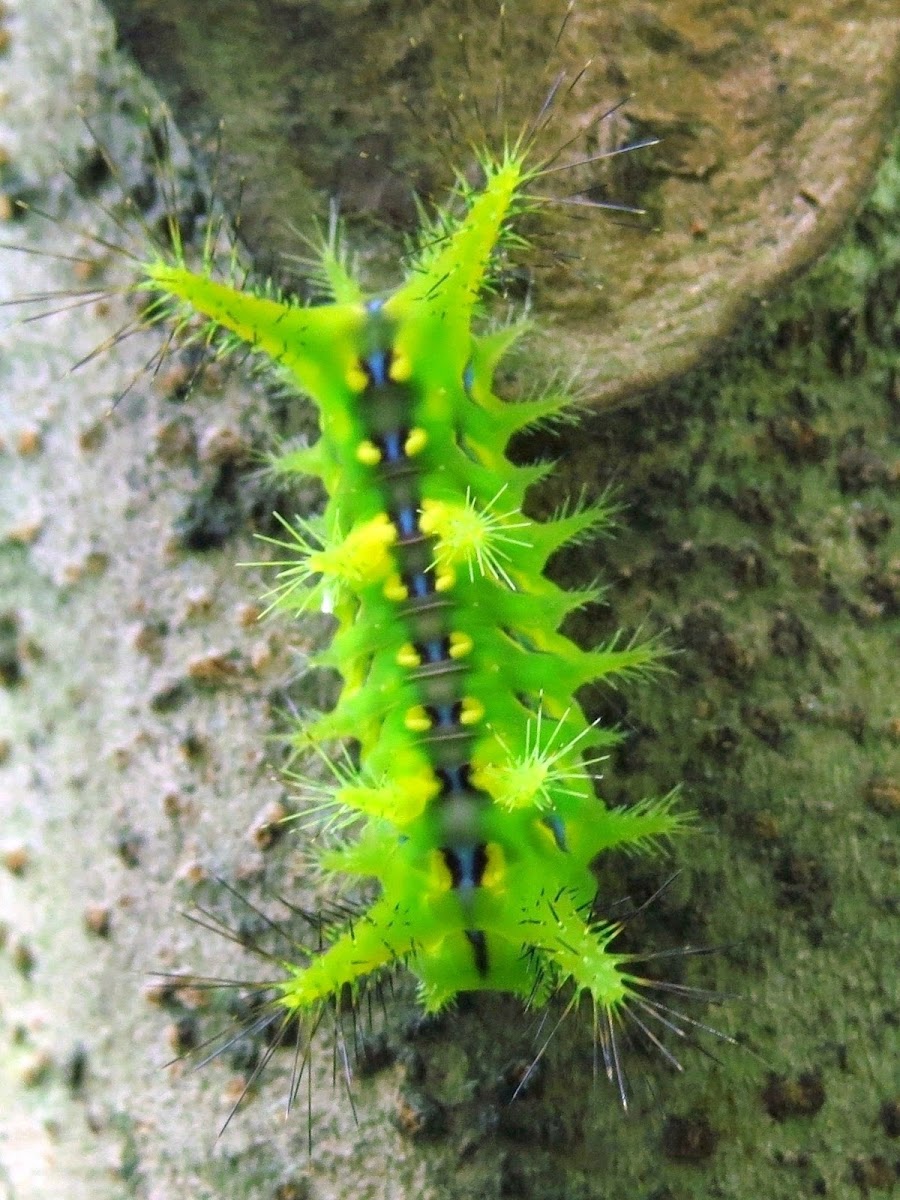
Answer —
(762, 529)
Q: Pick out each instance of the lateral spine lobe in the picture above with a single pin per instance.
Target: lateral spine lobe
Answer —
(481, 820)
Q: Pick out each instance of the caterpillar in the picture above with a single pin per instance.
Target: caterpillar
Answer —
(470, 801)
(472, 804)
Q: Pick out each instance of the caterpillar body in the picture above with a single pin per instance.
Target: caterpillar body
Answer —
(470, 802)
(473, 802)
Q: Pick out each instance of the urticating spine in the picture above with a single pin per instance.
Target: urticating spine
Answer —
(477, 812)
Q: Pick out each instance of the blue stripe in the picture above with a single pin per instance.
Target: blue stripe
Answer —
(377, 364)
(455, 779)
(465, 856)
(434, 651)
(392, 449)
(406, 519)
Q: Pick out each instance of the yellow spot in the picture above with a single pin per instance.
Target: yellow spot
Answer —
(471, 712)
(481, 777)
(460, 645)
(401, 368)
(417, 719)
(444, 581)
(368, 454)
(416, 442)
(356, 379)
(395, 589)
(439, 873)
(432, 516)
(408, 656)
(416, 791)
(492, 879)
(362, 557)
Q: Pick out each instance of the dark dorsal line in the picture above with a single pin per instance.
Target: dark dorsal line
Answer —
(478, 942)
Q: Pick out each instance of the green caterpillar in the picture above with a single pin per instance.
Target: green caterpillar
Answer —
(476, 812)
(471, 802)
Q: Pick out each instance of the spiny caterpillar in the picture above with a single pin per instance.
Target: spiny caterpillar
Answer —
(471, 802)
(472, 805)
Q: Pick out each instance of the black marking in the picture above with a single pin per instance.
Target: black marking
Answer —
(400, 486)
(414, 556)
(478, 942)
(428, 618)
(378, 354)
(445, 716)
(418, 580)
(420, 606)
(445, 744)
(414, 541)
(466, 864)
(400, 469)
(455, 778)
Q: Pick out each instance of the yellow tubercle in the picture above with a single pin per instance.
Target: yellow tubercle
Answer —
(513, 785)
(400, 369)
(400, 802)
(415, 442)
(472, 711)
(444, 580)
(395, 589)
(439, 877)
(356, 379)
(495, 870)
(408, 656)
(417, 719)
(362, 557)
(432, 516)
(460, 645)
(368, 454)
(475, 535)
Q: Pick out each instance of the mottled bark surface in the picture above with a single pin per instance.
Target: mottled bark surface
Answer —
(759, 536)
(771, 117)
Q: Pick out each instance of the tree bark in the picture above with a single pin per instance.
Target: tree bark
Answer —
(758, 538)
